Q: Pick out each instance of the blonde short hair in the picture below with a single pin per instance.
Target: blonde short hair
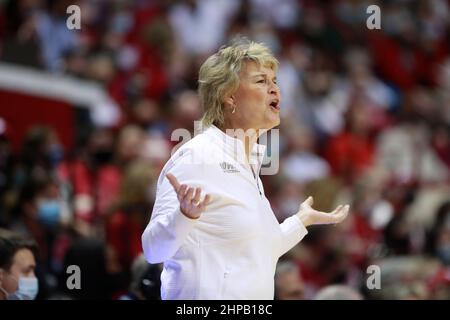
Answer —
(219, 75)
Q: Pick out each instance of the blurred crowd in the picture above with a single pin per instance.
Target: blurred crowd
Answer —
(365, 120)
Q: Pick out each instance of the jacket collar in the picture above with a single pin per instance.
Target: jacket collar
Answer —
(235, 148)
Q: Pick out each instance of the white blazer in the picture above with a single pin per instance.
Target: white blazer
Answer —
(231, 251)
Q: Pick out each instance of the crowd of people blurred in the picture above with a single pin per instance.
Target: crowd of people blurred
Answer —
(365, 120)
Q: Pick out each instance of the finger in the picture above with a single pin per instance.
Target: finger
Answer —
(205, 202)
(196, 198)
(182, 192)
(309, 201)
(345, 213)
(189, 194)
(334, 212)
(332, 217)
(342, 214)
(338, 208)
(173, 181)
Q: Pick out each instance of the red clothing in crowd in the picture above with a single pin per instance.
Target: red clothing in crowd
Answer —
(101, 187)
(403, 66)
(123, 234)
(349, 154)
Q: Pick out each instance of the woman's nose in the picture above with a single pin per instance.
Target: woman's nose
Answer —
(274, 88)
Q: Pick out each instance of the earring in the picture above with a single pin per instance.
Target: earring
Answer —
(234, 109)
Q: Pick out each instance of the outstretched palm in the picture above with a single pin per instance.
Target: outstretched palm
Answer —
(310, 216)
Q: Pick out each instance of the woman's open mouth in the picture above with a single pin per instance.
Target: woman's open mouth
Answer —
(275, 105)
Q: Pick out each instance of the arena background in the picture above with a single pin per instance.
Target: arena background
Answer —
(86, 118)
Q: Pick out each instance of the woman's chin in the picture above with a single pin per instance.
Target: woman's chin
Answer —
(275, 121)
(271, 125)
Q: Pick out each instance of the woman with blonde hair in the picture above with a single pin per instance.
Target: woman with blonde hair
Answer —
(212, 226)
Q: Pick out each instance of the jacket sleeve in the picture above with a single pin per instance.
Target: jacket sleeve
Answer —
(169, 227)
(293, 231)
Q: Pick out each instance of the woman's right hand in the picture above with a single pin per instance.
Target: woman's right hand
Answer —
(191, 204)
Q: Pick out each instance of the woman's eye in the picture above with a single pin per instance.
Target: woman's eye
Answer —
(261, 81)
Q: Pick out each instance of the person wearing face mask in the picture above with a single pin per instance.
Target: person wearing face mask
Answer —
(49, 212)
(17, 267)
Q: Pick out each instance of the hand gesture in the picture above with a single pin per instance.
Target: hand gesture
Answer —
(310, 216)
(190, 203)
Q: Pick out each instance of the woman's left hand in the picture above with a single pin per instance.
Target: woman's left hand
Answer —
(309, 216)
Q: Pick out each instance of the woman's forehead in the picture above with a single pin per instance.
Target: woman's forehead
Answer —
(251, 69)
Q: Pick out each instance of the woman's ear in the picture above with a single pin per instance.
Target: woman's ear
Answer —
(230, 101)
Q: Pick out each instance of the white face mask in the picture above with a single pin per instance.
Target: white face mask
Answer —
(27, 290)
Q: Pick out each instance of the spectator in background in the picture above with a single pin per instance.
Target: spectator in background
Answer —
(129, 144)
(146, 113)
(408, 277)
(125, 225)
(20, 43)
(42, 213)
(156, 150)
(321, 103)
(440, 234)
(145, 281)
(102, 276)
(41, 151)
(362, 81)
(55, 38)
(185, 110)
(284, 16)
(288, 282)
(351, 151)
(371, 214)
(85, 173)
(302, 164)
(317, 30)
(128, 148)
(95, 176)
(294, 58)
(18, 280)
(287, 197)
(338, 292)
(405, 149)
(193, 16)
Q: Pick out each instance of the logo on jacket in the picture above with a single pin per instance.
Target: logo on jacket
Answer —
(228, 167)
